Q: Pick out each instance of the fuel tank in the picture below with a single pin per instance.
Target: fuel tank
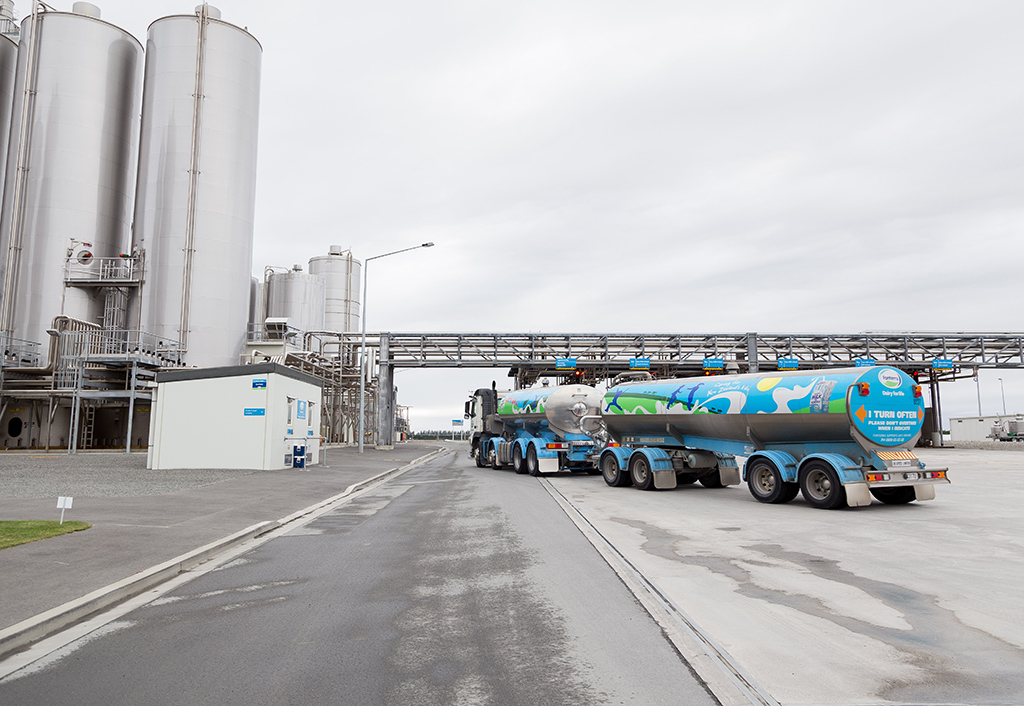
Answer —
(882, 404)
(563, 406)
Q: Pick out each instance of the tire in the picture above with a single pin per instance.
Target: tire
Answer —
(479, 457)
(820, 486)
(895, 496)
(712, 480)
(492, 459)
(613, 473)
(640, 472)
(532, 467)
(517, 460)
(766, 484)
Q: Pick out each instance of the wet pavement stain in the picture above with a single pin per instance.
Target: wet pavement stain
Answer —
(961, 664)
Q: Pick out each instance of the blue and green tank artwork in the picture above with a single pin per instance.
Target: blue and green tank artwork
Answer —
(530, 401)
(743, 394)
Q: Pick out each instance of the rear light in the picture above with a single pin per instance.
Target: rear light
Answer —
(917, 390)
(557, 447)
(935, 474)
(878, 477)
(614, 445)
(864, 389)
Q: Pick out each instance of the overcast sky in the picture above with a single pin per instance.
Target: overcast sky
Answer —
(592, 166)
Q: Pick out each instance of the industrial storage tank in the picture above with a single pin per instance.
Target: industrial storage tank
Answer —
(70, 163)
(341, 273)
(297, 296)
(196, 196)
(8, 69)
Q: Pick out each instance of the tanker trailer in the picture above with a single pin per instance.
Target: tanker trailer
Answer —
(838, 437)
(536, 430)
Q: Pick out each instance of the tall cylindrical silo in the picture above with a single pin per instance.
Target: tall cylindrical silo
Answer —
(341, 273)
(196, 196)
(297, 296)
(8, 69)
(70, 164)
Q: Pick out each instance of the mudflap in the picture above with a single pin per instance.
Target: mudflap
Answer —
(857, 494)
(548, 465)
(664, 479)
(728, 471)
(924, 492)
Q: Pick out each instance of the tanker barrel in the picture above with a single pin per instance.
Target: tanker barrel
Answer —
(880, 406)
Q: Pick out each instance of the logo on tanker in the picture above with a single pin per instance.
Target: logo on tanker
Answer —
(890, 378)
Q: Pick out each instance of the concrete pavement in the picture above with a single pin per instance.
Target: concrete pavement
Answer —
(144, 518)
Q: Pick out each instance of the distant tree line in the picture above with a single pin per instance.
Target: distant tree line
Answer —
(435, 435)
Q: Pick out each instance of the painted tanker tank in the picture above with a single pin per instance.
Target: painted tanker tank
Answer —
(838, 437)
(536, 430)
(779, 408)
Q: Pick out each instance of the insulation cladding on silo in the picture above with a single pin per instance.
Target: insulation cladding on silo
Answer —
(196, 195)
(70, 164)
(297, 296)
(341, 273)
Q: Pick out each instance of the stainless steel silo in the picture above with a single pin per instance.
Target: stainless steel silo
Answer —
(8, 69)
(70, 163)
(299, 297)
(341, 273)
(196, 196)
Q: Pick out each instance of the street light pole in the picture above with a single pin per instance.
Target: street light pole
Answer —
(1003, 391)
(362, 345)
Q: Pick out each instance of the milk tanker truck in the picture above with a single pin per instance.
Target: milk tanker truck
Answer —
(536, 430)
(838, 437)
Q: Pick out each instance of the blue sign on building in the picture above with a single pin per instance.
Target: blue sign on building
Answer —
(255, 412)
(942, 364)
(259, 384)
(300, 409)
(639, 363)
(789, 363)
(714, 363)
(565, 363)
(864, 362)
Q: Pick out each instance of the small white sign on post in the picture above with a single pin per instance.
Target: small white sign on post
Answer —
(64, 503)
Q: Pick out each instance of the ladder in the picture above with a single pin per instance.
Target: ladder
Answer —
(88, 426)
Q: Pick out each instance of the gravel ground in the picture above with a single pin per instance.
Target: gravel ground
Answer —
(41, 475)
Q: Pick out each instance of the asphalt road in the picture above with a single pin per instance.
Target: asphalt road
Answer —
(447, 585)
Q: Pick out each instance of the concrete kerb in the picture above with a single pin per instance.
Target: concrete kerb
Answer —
(21, 635)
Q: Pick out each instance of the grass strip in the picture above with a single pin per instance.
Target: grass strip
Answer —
(15, 532)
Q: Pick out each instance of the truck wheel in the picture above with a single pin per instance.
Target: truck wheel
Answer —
(766, 484)
(712, 480)
(612, 473)
(640, 472)
(895, 496)
(478, 456)
(517, 460)
(494, 460)
(821, 487)
(532, 467)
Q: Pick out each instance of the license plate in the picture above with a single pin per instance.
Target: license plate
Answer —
(904, 463)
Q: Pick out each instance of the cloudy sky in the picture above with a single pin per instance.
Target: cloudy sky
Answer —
(646, 166)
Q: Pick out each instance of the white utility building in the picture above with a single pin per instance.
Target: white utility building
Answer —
(264, 416)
